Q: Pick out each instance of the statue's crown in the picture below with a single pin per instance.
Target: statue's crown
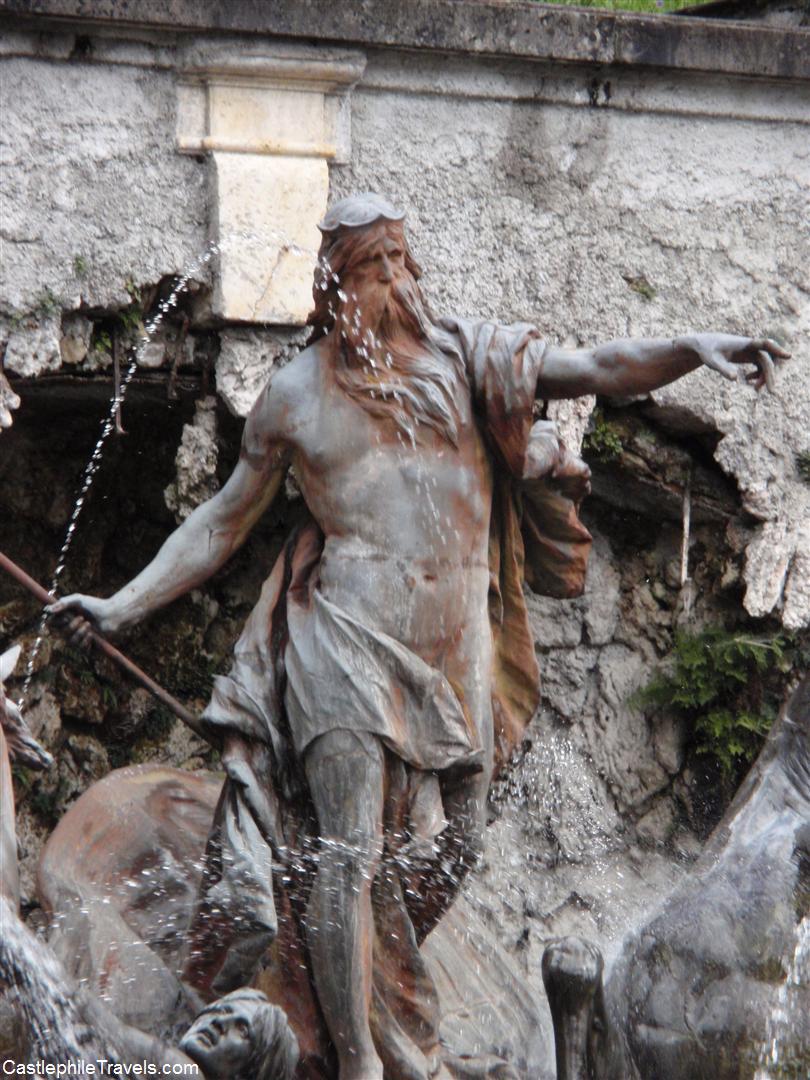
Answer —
(357, 210)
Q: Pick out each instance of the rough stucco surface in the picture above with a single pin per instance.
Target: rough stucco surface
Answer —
(525, 201)
(89, 174)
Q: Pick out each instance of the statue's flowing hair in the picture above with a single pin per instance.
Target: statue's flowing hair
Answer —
(408, 372)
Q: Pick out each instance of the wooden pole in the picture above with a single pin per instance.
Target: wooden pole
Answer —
(109, 650)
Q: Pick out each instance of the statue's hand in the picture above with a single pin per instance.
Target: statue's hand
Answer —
(80, 615)
(723, 351)
(572, 476)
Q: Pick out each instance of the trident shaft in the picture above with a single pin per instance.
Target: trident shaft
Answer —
(109, 650)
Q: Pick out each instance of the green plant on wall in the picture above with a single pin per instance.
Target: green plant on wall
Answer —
(47, 305)
(728, 686)
(655, 7)
(603, 439)
(102, 341)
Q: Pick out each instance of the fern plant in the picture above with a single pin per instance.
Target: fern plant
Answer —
(727, 686)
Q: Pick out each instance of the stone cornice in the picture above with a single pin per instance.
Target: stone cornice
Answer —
(504, 29)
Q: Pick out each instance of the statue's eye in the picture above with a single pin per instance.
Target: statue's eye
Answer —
(242, 1029)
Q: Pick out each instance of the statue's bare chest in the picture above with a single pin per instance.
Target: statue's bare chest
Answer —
(352, 464)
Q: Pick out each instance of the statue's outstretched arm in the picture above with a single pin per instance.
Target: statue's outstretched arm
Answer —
(198, 548)
(637, 366)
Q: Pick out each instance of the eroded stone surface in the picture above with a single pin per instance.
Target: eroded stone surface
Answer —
(33, 348)
(9, 401)
(550, 201)
(121, 205)
(75, 342)
(196, 462)
(762, 435)
(245, 362)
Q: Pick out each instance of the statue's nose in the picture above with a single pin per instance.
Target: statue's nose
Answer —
(386, 270)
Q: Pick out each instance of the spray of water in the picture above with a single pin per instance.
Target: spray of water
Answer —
(777, 1057)
(56, 1030)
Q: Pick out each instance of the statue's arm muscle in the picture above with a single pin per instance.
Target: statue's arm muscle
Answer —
(637, 366)
(205, 540)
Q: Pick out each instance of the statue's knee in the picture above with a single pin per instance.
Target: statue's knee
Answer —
(346, 780)
(355, 856)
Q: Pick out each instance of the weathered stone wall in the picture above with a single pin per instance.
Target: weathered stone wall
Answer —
(596, 195)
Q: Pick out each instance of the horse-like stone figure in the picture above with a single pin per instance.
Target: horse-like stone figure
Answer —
(710, 987)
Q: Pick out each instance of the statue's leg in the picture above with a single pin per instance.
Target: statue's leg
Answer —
(460, 847)
(345, 772)
(464, 796)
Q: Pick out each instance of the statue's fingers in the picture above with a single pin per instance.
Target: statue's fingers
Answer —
(773, 349)
(60, 606)
(78, 630)
(767, 369)
(718, 362)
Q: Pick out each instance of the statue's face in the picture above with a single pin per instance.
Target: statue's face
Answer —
(219, 1040)
(370, 273)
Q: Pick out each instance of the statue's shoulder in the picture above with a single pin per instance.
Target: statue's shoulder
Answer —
(289, 387)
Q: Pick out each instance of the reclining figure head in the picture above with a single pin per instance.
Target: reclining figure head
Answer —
(242, 1037)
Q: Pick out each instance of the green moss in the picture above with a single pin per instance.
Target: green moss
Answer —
(728, 686)
(147, 745)
(48, 803)
(101, 341)
(639, 284)
(47, 304)
(603, 439)
(131, 319)
(655, 7)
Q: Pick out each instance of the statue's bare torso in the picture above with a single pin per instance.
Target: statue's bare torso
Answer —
(406, 527)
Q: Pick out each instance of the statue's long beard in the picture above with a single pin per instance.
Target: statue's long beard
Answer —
(397, 371)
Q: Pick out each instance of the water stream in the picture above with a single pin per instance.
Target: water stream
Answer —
(108, 422)
(776, 1059)
(56, 1030)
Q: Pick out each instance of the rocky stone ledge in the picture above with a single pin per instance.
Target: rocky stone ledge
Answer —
(520, 30)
